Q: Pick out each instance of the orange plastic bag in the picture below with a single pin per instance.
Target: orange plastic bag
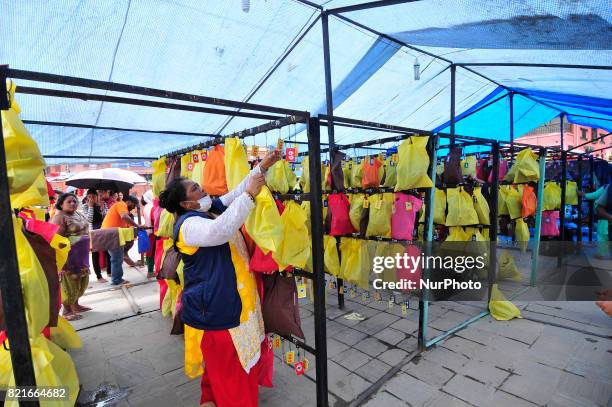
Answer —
(214, 182)
(371, 172)
(529, 201)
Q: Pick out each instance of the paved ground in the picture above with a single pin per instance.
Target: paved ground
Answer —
(559, 355)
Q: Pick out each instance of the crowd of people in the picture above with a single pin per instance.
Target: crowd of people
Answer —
(75, 219)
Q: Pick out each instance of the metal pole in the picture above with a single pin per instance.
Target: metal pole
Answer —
(432, 147)
(591, 203)
(535, 252)
(511, 127)
(10, 281)
(453, 70)
(316, 225)
(494, 193)
(329, 98)
(579, 183)
(563, 179)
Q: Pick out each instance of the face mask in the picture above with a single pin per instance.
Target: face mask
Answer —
(205, 204)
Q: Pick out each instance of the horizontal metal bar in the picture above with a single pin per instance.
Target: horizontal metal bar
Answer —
(530, 65)
(99, 157)
(355, 126)
(373, 125)
(138, 102)
(588, 117)
(310, 4)
(368, 5)
(598, 150)
(455, 329)
(299, 344)
(89, 126)
(140, 90)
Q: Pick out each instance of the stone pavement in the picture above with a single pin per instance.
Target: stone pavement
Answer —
(559, 355)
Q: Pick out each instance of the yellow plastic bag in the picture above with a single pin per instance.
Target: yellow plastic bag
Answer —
(236, 162)
(460, 208)
(356, 210)
(61, 245)
(186, 166)
(295, 246)
(64, 335)
(501, 309)
(166, 225)
(525, 168)
(194, 366)
(481, 206)
(276, 178)
(521, 234)
(331, 258)
(53, 367)
(264, 222)
(502, 207)
(356, 173)
(381, 210)
(197, 175)
(571, 196)
(325, 174)
(439, 208)
(305, 177)
(290, 175)
(507, 268)
(390, 172)
(468, 166)
(33, 282)
(346, 172)
(412, 165)
(354, 262)
(24, 162)
(552, 196)
(514, 202)
(159, 176)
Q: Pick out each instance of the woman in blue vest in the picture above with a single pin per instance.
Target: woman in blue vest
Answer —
(207, 235)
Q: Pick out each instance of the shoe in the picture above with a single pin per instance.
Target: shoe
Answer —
(102, 280)
(354, 316)
(121, 283)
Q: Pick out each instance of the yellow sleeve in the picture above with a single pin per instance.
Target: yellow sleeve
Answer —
(183, 248)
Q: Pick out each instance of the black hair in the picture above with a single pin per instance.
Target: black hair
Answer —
(91, 192)
(62, 198)
(170, 199)
(130, 198)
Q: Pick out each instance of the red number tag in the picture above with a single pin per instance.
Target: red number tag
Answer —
(204, 155)
(190, 167)
(195, 158)
(290, 154)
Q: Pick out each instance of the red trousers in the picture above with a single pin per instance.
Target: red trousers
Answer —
(224, 381)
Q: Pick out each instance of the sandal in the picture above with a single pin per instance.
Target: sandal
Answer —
(72, 317)
(82, 308)
(102, 280)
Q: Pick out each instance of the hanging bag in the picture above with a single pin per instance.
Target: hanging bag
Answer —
(337, 171)
(338, 211)
(404, 214)
(571, 195)
(293, 251)
(529, 202)
(413, 162)
(390, 169)
(514, 202)
(552, 196)
(371, 172)
(280, 309)
(549, 223)
(356, 210)
(276, 178)
(305, 177)
(214, 182)
(380, 211)
(356, 173)
(468, 166)
(159, 176)
(460, 208)
(235, 161)
(452, 167)
(481, 206)
(264, 222)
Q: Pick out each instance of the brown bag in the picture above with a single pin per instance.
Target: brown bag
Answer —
(169, 265)
(174, 169)
(365, 219)
(281, 312)
(46, 256)
(337, 175)
(452, 167)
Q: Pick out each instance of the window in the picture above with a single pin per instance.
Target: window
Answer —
(593, 135)
(584, 133)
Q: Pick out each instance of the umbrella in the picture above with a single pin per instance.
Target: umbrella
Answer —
(114, 179)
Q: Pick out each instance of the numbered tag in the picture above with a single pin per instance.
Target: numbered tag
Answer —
(204, 155)
(290, 357)
(371, 161)
(490, 162)
(255, 151)
(409, 206)
(392, 163)
(325, 203)
(290, 154)
(350, 166)
(377, 296)
(189, 166)
(466, 165)
(305, 364)
(365, 296)
(280, 144)
(299, 368)
(276, 342)
(352, 293)
(301, 290)
(332, 284)
(547, 220)
(474, 199)
(473, 238)
(405, 308)
(366, 203)
(341, 289)
(378, 204)
(195, 157)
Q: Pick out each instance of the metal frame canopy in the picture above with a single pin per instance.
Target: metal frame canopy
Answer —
(10, 283)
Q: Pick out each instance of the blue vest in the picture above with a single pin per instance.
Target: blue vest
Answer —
(210, 296)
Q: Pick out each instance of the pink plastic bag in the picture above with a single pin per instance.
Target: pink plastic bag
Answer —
(45, 229)
(503, 169)
(404, 214)
(410, 274)
(549, 223)
(339, 206)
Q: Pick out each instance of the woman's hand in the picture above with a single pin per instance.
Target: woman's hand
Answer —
(270, 159)
(256, 182)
